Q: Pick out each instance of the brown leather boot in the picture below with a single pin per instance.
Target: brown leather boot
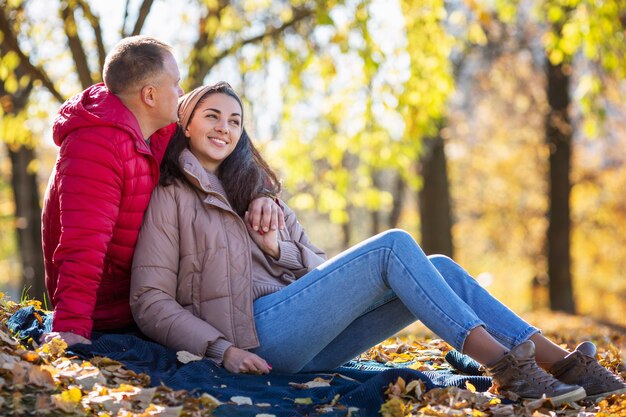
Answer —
(581, 368)
(518, 372)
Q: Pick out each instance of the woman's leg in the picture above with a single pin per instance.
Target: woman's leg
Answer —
(478, 344)
(390, 318)
(502, 323)
(546, 351)
(384, 319)
(300, 321)
(577, 368)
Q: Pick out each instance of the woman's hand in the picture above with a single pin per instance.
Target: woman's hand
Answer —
(241, 361)
(265, 215)
(267, 241)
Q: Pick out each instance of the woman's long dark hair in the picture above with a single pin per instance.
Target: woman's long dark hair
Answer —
(244, 173)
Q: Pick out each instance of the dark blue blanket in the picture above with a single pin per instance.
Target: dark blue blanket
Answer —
(359, 384)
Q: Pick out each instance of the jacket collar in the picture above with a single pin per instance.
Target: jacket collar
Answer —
(199, 177)
(94, 107)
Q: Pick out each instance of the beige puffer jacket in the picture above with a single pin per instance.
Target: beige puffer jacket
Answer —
(191, 284)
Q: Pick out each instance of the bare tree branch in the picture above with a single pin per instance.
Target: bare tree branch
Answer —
(144, 10)
(271, 32)
(76, 45)
(197, 70)
(36, 72)
(16, 102)
(123, 28)
(205, 65)
(97, 31)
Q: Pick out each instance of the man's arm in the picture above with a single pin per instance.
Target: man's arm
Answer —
(89, 189)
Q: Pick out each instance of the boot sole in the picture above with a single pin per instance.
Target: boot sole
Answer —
(574, 395)
(598, 397)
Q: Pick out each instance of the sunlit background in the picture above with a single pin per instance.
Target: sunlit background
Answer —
(358, 104)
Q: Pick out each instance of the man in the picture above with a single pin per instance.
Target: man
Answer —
(112, 138)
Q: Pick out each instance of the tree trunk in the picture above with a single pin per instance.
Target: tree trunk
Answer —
(375, 215)
(346, 236)
(28, 221)
(559, 140)
(434, 200)
(398, 202)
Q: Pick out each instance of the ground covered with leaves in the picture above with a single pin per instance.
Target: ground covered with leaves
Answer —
(45, 381)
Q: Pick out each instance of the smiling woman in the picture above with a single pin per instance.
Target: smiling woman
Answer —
(211, 127)
(214, 130)
(207, 282)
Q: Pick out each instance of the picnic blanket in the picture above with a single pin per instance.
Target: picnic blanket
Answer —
(359, 384)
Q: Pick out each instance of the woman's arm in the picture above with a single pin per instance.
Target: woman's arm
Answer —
(290, 248)
(154, 284)
(298, 253)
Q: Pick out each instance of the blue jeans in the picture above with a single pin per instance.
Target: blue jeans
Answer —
(367, 294)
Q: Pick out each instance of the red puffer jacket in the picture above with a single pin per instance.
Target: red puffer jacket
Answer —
(93, 209)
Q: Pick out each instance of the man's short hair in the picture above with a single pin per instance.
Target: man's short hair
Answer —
(132, 62)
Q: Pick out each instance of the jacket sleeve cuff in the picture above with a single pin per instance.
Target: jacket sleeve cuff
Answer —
(81, 328)
(290, 256)
(215, 351)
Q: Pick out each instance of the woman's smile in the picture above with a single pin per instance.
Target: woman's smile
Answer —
(219, 142)
(214, 129)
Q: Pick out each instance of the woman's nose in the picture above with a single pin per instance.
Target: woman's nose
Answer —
(222, 126)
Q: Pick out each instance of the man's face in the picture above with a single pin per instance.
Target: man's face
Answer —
(169, 90)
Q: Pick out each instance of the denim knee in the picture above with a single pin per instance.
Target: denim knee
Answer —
(442, 261)
(393, 236)
(452, 272)
(445, 264)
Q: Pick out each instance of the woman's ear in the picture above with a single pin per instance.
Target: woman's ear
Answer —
(186, 132)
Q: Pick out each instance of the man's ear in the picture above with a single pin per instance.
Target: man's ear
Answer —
(149, 95)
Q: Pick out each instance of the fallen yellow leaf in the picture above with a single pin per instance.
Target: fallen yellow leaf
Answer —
(304, 401)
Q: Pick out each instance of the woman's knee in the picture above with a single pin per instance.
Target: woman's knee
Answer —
(398, 236)
(442, 262)
(451, 271)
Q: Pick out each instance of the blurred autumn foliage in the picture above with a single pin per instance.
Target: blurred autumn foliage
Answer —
(492, 131)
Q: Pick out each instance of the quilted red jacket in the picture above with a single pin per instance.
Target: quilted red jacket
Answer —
(93, 209)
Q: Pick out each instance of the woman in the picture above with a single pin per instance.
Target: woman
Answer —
(204, 281)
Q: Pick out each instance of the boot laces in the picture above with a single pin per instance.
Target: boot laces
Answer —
(536, 374)
(596, 370)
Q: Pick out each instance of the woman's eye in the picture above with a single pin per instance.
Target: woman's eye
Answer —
(211, 116)
(235, 122)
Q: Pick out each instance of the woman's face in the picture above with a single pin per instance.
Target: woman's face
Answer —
(214, 129)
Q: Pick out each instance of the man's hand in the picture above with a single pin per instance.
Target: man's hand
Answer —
(265, 215)
(68, 337)
(241, 361)
(268, 241)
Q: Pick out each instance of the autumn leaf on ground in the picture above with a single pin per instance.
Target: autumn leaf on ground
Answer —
(315, 383)
(240, 400)
(185, 357)
(305, 401)
(48, 382)
(68, 400)
(55, 348)
(6, 339)
(395, 407)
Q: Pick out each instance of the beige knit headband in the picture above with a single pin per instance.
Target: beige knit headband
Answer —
(188, 102)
